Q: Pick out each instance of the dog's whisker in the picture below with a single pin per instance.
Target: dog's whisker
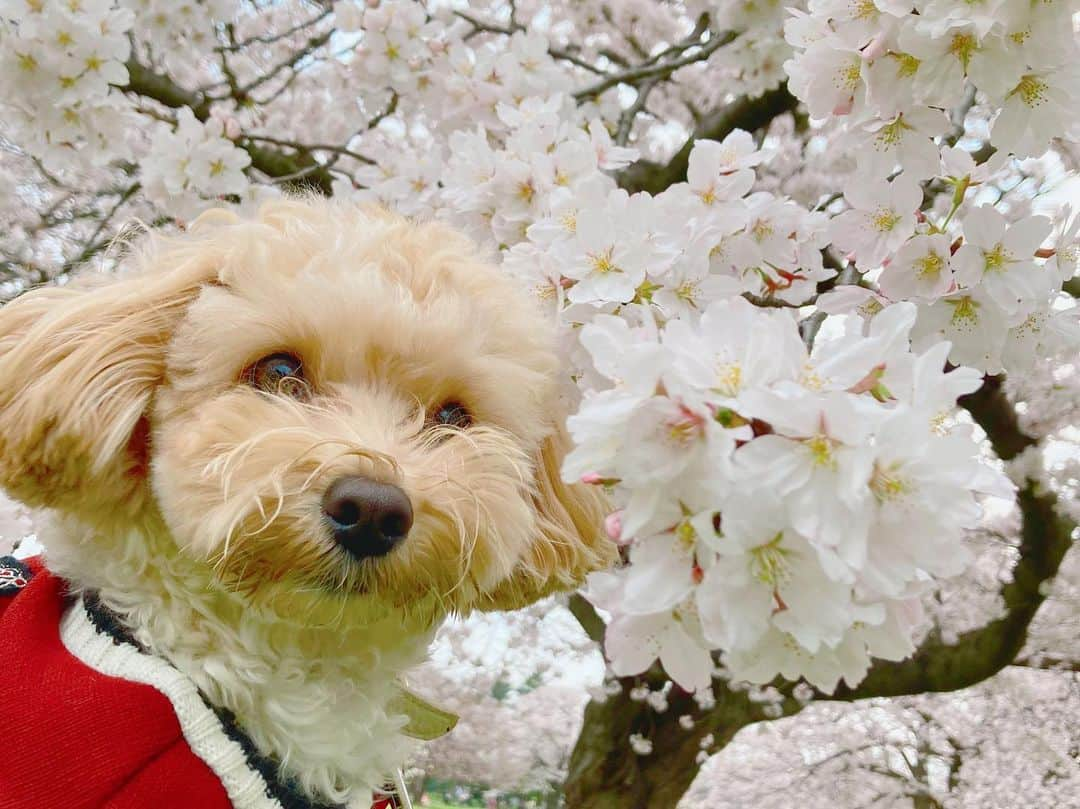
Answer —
(316, 473)
(268, 520)
(469, 547)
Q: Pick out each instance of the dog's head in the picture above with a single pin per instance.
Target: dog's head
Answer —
(323, 401)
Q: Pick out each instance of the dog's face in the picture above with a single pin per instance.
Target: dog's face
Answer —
(322, 404)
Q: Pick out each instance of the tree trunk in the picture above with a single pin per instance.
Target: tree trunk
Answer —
(605, 773)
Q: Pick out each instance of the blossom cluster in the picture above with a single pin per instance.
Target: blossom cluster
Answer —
(175, 34)
(782, 505)
(696, 242)
(195, 163)
(890, 71)
(894, 64)
(58, 64)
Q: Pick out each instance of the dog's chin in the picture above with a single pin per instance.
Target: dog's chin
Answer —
(345, 593)
(316, 604)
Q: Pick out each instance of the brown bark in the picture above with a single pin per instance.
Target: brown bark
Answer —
(606, 774)
(310, 175)
(744, 113)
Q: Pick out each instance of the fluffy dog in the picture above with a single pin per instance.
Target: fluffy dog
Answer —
(274, 455)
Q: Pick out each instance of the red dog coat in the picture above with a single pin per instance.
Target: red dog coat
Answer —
(89, 720)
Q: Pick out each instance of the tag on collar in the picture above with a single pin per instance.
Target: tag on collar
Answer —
(14, 575)
(426, 721)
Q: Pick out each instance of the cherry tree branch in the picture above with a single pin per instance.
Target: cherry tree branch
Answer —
(309, 47)
(144, 81)
(631, 40)
(93, 244)
(95, 211)
(687, 42)
(629, 115)
(744, 113)
(1044, 663)
(269, 39)
(274, 163)
(310, 147)
(587, 616)
(658, 70)
(482, 27)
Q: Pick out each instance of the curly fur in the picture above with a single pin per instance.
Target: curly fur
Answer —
(191, 501)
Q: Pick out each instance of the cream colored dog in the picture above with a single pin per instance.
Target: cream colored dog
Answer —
(281, 451)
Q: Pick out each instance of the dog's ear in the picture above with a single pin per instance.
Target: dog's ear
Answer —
(79, 364)
(570, 540)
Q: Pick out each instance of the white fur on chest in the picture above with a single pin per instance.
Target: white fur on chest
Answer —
(310, 691)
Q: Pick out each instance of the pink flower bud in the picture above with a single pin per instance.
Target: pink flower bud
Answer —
(232, 128)
(592, 478)
(613, 525)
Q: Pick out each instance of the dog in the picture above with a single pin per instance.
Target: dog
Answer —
(272, 455)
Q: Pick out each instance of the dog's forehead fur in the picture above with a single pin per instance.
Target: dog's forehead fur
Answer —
(365, 299)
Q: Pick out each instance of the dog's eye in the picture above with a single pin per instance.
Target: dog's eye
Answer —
(453, 414)
(278, 373)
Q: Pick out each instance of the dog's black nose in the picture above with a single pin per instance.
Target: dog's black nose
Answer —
(368, 518)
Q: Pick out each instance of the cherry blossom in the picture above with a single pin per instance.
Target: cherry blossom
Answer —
(881, 219)
(906, 140)
(829, 75)
(1038, 104)
(973, 325)
(192, 164)
(1001, 257)
(920, 270)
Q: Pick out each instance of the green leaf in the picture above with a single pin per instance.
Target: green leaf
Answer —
(426, 721)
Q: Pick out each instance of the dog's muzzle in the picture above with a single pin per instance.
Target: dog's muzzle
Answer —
(368, 518)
